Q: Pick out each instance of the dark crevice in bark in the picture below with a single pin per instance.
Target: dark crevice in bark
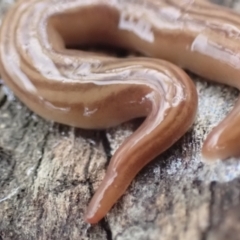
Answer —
(105, 225)
(211, 213)
(107, 149)
(6, 156)
(40, 220)
(28, 121)
(3, 100)
(106, 146)
(69, 214)
(187, 210)
(42, 154)
(66, 185)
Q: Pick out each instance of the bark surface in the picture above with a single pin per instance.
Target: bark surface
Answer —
(49, 172)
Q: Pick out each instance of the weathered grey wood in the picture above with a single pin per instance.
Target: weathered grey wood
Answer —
(48, 173)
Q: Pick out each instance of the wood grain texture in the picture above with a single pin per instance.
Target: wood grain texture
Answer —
(48, 173)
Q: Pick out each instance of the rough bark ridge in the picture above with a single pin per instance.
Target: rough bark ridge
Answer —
(48, 173)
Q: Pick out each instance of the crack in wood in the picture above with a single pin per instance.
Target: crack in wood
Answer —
(3, 97)
(105, 225)
(210, 211)
(43, 149)
(6, 157)
(106, 146)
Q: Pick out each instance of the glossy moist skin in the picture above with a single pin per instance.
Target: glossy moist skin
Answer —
(93, 91)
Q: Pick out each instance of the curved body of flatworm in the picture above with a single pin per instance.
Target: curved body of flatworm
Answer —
(94, 91)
